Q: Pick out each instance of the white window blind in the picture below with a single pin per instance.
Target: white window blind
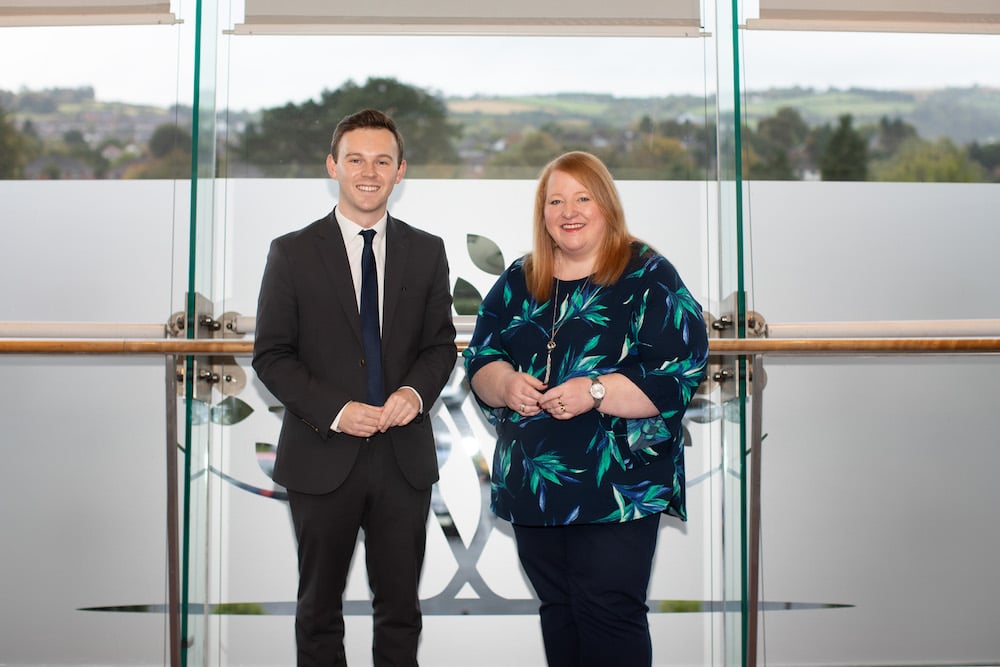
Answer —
(943, 16)
(84, 12)
(461, 17)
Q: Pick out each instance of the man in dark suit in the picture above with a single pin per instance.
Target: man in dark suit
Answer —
(351, 460)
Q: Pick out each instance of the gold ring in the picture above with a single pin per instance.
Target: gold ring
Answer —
(522, 407)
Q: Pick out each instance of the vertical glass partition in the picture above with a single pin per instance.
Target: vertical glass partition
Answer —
(201, 509)
(95, 112)
(728, 319)
(478, 128)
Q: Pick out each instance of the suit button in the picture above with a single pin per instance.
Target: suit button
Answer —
(361, 363)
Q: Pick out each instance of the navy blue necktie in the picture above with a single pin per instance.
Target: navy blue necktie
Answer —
(369, 321)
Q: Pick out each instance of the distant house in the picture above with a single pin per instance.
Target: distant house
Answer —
(111, 153)
(52, 167)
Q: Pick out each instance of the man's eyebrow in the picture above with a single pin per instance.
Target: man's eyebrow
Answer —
(377, 156)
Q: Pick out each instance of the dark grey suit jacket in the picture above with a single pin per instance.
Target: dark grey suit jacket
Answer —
(308, 350)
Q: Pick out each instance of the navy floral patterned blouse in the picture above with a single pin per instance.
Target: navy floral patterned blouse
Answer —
(594, 467)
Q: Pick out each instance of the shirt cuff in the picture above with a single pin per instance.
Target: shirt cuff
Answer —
(419, 398)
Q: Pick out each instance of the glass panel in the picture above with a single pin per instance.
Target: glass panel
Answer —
(472, 585)
(869, 435)
(83, 508)
(108, 258)
(730, 303)
(876, 252)
(473, 590)
(878, 478)
(870, 106)
(639, 103)
(202, 549)
(71, 109)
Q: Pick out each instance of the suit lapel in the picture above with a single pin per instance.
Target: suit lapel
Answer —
(397, 256)
(333, 257)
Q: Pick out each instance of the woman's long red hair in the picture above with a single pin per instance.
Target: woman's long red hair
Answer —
(590, 172)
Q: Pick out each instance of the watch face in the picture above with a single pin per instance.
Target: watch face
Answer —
(597, 390)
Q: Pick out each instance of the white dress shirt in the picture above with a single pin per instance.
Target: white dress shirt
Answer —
(355, 244)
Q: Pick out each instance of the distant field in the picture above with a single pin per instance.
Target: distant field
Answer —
(490, 106)
(964, 115)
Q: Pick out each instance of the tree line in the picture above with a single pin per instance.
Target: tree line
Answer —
(291, 140)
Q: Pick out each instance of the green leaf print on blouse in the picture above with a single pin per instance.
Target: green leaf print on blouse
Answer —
(638, 500)
(531, 314)
(688, 373)
(503, 465)
(577, 362)
(547, 467)
(604, 444)
(582, 304)
(642, 434)
(682, 303)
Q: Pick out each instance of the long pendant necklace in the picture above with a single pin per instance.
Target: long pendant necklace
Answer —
(551, 345)
(553, 330)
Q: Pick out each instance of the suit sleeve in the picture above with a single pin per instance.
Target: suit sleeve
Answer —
(436, 353)
(277, 355)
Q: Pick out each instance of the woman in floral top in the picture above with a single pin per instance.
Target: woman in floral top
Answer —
(585, 355)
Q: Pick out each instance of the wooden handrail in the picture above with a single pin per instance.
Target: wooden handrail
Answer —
(724, 346)
(797, 346)
(112, 346)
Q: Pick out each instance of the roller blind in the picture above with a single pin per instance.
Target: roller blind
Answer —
(944, 16)
(461, 17)
(84, 12)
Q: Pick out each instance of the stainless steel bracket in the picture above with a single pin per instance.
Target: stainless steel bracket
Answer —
(210, 372)
(723, 370)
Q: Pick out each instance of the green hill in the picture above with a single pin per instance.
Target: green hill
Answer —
(961, 114)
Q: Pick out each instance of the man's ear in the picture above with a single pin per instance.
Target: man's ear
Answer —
(331, 167)
(399, 172)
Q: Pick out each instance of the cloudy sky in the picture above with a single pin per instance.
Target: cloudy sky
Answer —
(140, 64)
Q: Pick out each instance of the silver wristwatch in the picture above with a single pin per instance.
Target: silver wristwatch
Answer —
(597, 391)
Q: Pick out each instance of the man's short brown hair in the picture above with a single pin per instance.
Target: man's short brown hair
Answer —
(366, 118)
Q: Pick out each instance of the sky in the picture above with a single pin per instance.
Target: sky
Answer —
(139, 64)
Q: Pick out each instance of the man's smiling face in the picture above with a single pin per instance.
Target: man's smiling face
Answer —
(367, 168)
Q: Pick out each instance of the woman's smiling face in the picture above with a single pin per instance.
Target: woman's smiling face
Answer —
(573, 219)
